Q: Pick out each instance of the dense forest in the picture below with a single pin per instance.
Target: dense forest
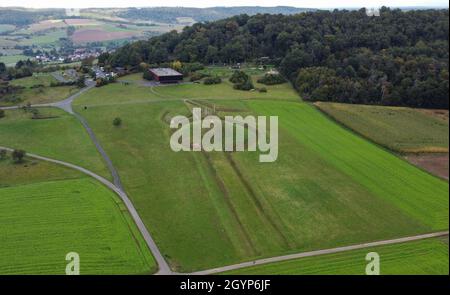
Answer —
(170, 14)
(397, 58)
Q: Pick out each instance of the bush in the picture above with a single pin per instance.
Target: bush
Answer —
(272, 79)
(2, 154)
(2, 114)
(147, 75)
(246, 86)
(117, 122)
(212, 80)
(18, 155)
(241, 81)
(239, 77)
(263, 90)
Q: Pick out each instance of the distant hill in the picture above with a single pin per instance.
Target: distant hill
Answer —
(23, 16)
(172, 14)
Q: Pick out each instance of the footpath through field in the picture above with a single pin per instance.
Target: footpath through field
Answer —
(164, 268)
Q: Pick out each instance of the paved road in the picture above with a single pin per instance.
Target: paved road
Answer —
(319, 252)
(163, 266)
(65, 104)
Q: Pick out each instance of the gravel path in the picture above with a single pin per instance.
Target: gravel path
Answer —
(319, 252)
(163, 266)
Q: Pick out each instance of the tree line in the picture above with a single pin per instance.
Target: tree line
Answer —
(397, 58)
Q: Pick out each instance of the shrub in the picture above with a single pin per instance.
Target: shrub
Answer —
(239, 77)
(246, 86)
(241, 81)
(272, 79)
(263, 90)
(117, 121)
(147, 75)
(18, 155)
(212, 80)
(2, 114)
(2, 154)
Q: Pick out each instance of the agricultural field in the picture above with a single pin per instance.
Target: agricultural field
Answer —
(6, 28)
(328, 188)
(54, 135)
(11, 60)
(64, 211)
(420, 135)
(426, 257)
(399, 129)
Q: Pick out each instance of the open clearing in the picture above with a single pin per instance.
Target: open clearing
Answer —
(58, 135)
(47, 211)
(328, 187)
(418, 257)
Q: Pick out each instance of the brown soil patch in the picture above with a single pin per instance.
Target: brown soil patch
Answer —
(441, 114)
(436, 164)
(83, 36)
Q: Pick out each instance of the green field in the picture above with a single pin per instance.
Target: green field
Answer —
(5, 28)
(37, 95)
(426, 257)
(37, 79)
(119, 93)
(60, 136)
(328, 187)
(47, 211)
(11, 60)
(397, 128)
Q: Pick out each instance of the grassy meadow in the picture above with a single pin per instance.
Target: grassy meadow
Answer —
(47, 211)
(328, 187)
(427, 257)
(57, 135)
(37, 95)
(397, 128)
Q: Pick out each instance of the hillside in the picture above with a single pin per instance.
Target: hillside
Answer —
(173, 14)
(399, 58)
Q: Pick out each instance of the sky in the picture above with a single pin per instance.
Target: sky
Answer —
(210, 3)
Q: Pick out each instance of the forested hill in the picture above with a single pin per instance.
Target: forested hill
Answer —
(171, 14)
(21, 16)
(398, 58)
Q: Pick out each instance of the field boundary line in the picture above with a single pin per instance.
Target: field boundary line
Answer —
(319, 252)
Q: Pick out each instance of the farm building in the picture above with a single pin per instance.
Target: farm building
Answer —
(166, 75)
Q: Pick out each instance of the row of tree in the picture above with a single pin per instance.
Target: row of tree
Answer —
(397, 58)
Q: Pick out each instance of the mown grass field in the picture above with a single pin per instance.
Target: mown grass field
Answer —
(328, 187)
(59, 136)
(397, 128)
(119, 93)
(425, 257)
(47, 211)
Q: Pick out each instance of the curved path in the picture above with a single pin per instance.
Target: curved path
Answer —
(163, 266)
